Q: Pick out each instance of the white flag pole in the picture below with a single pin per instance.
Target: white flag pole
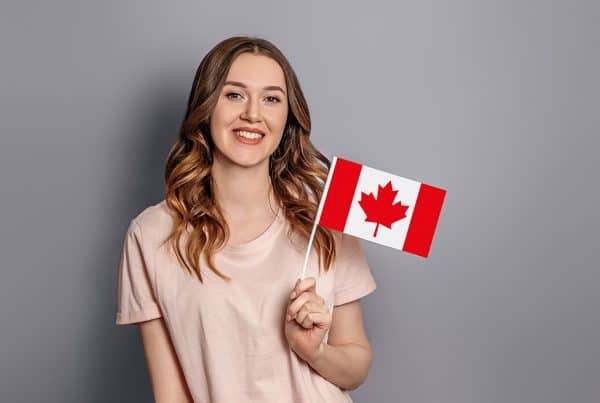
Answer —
(318, 217)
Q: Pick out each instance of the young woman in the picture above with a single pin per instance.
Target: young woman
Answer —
(211, 273)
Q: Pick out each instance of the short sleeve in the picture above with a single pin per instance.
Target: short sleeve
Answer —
(136, 301)
(353, 277)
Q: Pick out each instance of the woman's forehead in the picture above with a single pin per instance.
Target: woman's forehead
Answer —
(256, 71)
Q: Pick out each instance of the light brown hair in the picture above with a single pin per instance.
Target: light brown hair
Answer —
(296, 168)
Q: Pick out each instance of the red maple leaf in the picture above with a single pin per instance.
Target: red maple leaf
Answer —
(381, 210)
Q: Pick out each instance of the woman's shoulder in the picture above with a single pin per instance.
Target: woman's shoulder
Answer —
(154, 220)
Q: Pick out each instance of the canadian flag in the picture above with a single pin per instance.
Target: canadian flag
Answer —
(380, 207)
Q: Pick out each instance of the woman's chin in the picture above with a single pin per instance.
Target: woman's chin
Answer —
(245, 161)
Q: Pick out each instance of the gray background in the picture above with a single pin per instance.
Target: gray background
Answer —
(497, 102)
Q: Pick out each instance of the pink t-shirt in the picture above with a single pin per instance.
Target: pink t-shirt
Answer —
(229, 337)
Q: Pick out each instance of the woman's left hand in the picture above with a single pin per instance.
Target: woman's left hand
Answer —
(307, 319)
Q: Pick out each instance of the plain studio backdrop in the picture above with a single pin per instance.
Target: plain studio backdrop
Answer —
(495, 101)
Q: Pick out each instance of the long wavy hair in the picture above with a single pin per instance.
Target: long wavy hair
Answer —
(297, 169)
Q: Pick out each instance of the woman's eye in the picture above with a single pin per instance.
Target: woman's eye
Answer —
(233, 95)
(272, 99)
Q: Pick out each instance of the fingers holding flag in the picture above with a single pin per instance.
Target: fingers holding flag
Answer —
(307, 319)
(306, 307)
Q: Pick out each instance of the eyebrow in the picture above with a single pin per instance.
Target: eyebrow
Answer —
(269, 87)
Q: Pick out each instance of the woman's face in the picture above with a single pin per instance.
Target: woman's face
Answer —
(248, 121)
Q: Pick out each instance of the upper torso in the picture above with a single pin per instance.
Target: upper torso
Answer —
(229, 336)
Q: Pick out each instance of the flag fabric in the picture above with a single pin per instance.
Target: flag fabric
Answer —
(380, 207)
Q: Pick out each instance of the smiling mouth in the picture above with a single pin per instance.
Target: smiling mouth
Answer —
(248, 135)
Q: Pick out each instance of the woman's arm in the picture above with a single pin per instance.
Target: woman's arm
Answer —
(346, 357)
(168, 383)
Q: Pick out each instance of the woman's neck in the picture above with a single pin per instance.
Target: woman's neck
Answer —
(243, 192)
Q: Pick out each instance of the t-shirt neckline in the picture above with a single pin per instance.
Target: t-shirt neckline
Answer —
(263, 237)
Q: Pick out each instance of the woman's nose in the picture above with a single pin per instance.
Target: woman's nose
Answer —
(252, 111)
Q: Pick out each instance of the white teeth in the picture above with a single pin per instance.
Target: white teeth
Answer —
(248, 135)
